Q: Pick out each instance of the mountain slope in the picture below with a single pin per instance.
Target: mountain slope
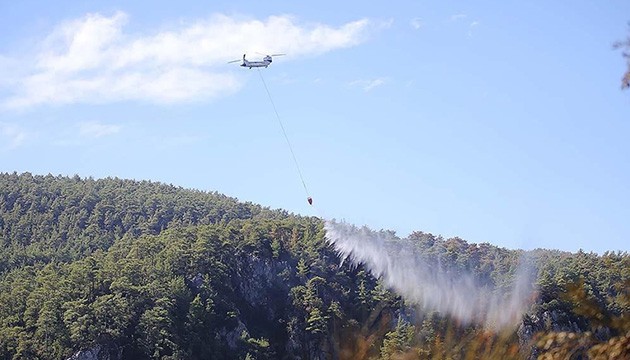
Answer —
(140, 270)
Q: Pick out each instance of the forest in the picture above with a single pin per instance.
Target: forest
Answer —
(124, 269)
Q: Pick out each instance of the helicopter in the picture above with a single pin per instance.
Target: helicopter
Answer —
(266, 61)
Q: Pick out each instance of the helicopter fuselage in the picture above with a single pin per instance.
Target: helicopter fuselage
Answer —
(253, 64)
(265, 62)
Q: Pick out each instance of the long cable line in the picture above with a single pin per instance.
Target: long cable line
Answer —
(297, 165)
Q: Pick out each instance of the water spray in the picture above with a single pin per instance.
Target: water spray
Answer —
(454, 292)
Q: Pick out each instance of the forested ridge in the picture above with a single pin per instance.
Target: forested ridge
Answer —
(143, 270)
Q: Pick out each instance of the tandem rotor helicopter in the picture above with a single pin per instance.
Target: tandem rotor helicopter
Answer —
(266, 61)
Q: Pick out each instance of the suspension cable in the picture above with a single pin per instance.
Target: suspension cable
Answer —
(297, 165)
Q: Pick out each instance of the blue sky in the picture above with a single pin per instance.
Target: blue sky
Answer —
(495, 122)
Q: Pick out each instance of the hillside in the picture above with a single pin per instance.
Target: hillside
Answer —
(142, 270)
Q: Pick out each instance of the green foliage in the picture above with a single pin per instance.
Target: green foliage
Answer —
(146, 270)
(398, 341)
(625, 47)
(577, 345)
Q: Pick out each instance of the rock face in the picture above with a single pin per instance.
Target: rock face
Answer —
(94, 353)
(97, 352)
(195, 282)
(259, 280)
(232, 337)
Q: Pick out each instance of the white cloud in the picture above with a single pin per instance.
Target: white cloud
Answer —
(386, 24)
(94, 60)
(472, 25)
(417, 23)
(13, 135)
(368, 85)
(94, 129)
(457, 17)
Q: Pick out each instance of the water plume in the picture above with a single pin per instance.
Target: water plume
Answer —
(430, 283)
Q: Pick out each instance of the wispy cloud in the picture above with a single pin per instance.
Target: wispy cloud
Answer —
(416, 23)
(457, 17)
(94, 59)
(95, 129)
(385, 24)
(12, 135)
(368, 85)
(472, 25)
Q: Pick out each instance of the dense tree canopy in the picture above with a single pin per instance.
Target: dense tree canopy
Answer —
(625, 48)
(142, 270)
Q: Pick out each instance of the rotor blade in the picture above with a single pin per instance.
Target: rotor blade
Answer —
(269, 54)
(233, 61)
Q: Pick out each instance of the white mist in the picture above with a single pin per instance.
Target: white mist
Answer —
(455, 293)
